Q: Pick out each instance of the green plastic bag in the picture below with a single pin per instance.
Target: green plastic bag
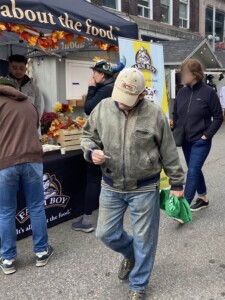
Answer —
(174, 207)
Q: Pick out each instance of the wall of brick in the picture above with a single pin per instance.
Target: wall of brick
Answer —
(131, 7)
(126, 6)
(176, 13)
(219, 4)
(97, 2)
(156, 11)
(194, 16)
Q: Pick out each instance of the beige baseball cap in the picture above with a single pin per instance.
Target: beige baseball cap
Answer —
(129, 84)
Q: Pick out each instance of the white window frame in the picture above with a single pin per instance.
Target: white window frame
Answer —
(118, 4)
(188, 13)
(150, 8)
(170, 14)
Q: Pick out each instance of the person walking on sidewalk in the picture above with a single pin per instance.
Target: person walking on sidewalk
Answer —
(197, 117)
(130, 138)
(100, 87)
(20, 162)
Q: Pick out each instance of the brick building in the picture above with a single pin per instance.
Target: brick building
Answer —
(210, 9)
(206, 18)
(159, 19)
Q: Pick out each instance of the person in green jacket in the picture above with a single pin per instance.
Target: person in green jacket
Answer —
(100, 87)
(131, 139)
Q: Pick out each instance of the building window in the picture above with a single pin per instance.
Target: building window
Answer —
(184, 13)
(166, 11)
(209, 21)
(220, 16)
(219, 23)
(145, 8)
(115, 4)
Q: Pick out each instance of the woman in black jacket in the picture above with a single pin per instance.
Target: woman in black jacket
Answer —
(197, 118)
(100, 87)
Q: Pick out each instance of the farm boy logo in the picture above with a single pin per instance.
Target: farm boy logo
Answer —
(53, 197)
(143, 61)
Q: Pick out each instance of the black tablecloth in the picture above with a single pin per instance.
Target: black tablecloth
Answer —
(64, 184)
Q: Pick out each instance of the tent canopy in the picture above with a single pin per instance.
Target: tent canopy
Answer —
(73, 16)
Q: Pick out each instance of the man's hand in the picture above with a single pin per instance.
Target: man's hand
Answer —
(204, 137)
(98, 157)
(92, 82)
(178, 194)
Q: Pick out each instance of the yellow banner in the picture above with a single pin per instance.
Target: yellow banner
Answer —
(149, 59)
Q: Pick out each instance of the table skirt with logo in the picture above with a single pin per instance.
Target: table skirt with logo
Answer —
(64, 183)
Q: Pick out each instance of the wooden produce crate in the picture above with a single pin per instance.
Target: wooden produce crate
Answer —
(76, 103)
(70, 139)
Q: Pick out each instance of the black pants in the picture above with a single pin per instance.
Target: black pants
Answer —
(93, 188)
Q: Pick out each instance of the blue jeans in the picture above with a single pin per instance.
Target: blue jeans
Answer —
(195, 154)
(145, 213)
(31, 177)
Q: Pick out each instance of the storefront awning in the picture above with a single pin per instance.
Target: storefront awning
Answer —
(45, 19)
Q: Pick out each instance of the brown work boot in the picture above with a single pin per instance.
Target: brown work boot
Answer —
(136, 295)
(125, 268)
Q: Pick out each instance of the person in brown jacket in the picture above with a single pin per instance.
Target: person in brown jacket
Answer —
(20, 162)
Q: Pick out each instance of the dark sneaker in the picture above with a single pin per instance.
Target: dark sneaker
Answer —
(125, 268)
(80, 226)
(42, 258)
(8, 266)
(200, 204)
(136, 295)
(179, 220)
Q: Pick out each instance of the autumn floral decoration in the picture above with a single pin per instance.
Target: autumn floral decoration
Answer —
(64, 120)
(46, 121)
(50, 41)
(35, 38)
(63, 108)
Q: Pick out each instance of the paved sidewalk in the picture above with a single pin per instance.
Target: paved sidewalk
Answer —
(190, 261)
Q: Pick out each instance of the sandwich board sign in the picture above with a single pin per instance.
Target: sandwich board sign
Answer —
(149, 59)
